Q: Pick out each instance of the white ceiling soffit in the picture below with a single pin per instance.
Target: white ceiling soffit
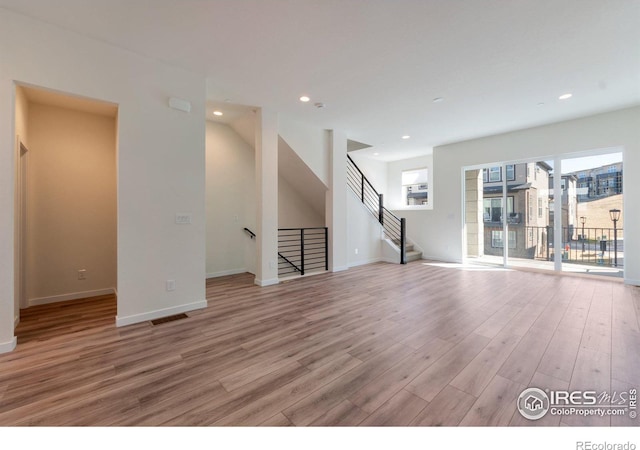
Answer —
(378, 65)
(68, 101)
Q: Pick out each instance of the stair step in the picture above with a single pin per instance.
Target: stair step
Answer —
(408, 247)
(413, 256)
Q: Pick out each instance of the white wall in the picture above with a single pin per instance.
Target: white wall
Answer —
(440, 231)
(71, 203)
(394, 197)
(21, 134)
(364, 234)
(161, 162)
(309, 143)
(294, 210)
(231, 202)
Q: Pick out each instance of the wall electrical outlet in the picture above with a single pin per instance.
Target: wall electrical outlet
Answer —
(356, 251)
(183, 218)
(82, 274)
(171, 285)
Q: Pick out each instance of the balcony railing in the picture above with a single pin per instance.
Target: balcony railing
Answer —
(593, 246)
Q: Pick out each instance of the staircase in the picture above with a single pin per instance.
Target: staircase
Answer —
(411, 253)
(394, 227)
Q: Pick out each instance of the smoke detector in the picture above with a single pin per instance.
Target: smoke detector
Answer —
(319, 105)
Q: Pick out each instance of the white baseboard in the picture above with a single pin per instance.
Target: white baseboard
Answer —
(158, 313)
(340, 268)
(6, 347)
(365, 262)
(632, 282)
(264, 283)
(66, 297)
(223, 273)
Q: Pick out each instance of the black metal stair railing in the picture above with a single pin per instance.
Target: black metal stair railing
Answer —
(395, 228)
(302, 250)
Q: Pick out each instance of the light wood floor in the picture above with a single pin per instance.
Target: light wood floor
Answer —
(376, 345)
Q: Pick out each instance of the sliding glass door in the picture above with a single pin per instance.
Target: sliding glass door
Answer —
(521, 214)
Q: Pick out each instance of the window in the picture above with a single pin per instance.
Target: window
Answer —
(493, 208)
(540, 207)
(497, 242)
(563, 184)
(511, 172)
(612, 169)
(495, 174)
(415, 187)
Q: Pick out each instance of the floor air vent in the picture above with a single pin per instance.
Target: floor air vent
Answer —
(169, 319)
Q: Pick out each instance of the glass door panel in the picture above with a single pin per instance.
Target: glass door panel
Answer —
(592, 215)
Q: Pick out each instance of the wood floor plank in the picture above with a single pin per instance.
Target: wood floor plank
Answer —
(496, 405)
(279, 420)
(345, 414)
(559, 358)
(430, 382)
(371, 396)
(522, 363)
(592, 372)
(401, 409)
(317, 403)
(277, 401)
(475, 377)
(381, 344)
(447, 409)
(625, 356)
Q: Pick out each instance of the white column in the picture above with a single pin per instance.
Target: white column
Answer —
(266, 197)
(336, 201)
(7, 178)
(558, 245)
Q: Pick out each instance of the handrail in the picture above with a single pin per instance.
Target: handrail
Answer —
(394, 227)
(303, 249)
(251, 233)
(290, 263)
(363, 176)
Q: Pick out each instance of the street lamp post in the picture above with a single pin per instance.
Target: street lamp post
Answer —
(583, 219)
(615, 216)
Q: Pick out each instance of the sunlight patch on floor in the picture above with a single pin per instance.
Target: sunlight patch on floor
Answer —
(469, 267)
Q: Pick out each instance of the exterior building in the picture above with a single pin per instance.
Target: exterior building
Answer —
(527, 209)
(599, 182)
(568, 206)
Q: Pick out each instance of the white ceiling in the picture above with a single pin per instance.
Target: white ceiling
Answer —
(378, 64)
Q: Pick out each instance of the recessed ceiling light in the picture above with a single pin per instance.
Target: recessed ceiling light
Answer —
(304, 99)
(376, 154)
(217, 113)
(565, 96)
(437, 100)
(406, 136)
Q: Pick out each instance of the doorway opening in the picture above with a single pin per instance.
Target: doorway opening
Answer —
(561, 213)
(65, 209)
